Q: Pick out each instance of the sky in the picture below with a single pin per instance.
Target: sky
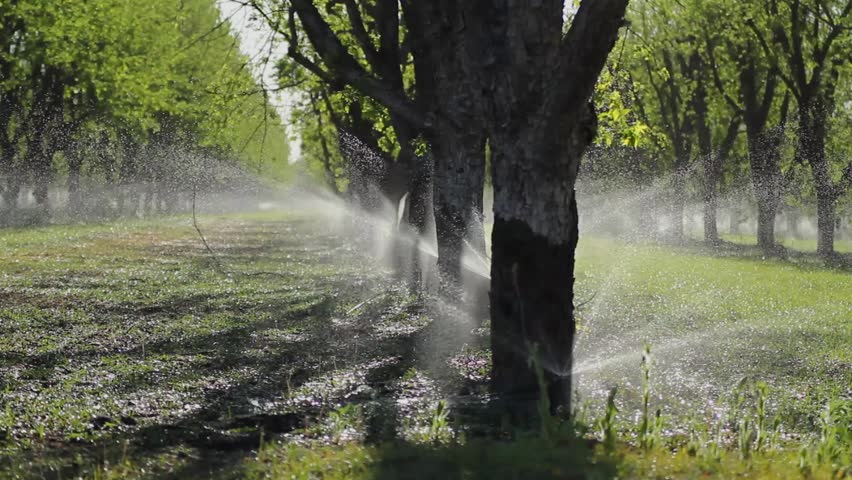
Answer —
(263, 47)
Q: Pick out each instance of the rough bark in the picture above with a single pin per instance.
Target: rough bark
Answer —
(766, 213)
(532, 284)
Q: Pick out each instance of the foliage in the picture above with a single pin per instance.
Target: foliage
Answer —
(162, 73)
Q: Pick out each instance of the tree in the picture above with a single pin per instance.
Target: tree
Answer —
(510, 74)
(712, 151)
(450, 99)
(440, 108)
(804, 41)
(128, 74)
(749, 85)
(663, 63)
(537, 81)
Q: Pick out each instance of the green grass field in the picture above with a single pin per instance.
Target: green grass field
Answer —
(797, 244)
(128, 350)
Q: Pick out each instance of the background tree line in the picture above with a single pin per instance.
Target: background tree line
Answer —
(733, 100)
(126, 106)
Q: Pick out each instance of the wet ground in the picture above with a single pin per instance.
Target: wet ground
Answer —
(132, 342)
(716, 320)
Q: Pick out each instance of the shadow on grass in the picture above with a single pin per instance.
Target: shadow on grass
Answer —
(841, 262)
(527, 457)
(483, 459)
(201, 377)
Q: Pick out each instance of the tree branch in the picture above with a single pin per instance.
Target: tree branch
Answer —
(845, 182)
(836, 29)
(730, 137)
(717, 78)
(336, 57)
(584, 50)
(797, 59)
(359, 31)
(773, 60)
(768, 93)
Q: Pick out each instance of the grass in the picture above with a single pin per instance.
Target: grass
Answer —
(713, 321)
(127, 351)
(797, 244)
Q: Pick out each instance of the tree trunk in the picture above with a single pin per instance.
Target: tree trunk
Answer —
(41, 163)
(532, 311)
(766, 190)
(74, 195)
(677, 205)
(711, 231)
(764, 157)
(712, 173)
(825, 224)
(766, 212)
(12, 191)
(734, 224)
(458, 186)
(7, 155)
(826, 201)
(764, 154)
(532, 275)
(476, 229)
(811, 147)
(538, 82)
(40, 192)
(439, 35)
(709, 159)
(419, 200)
(793, 223)
(647, 218)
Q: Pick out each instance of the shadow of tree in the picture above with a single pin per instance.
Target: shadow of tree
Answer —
(207, 393)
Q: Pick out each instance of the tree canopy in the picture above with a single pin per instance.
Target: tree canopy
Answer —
(131, 75)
